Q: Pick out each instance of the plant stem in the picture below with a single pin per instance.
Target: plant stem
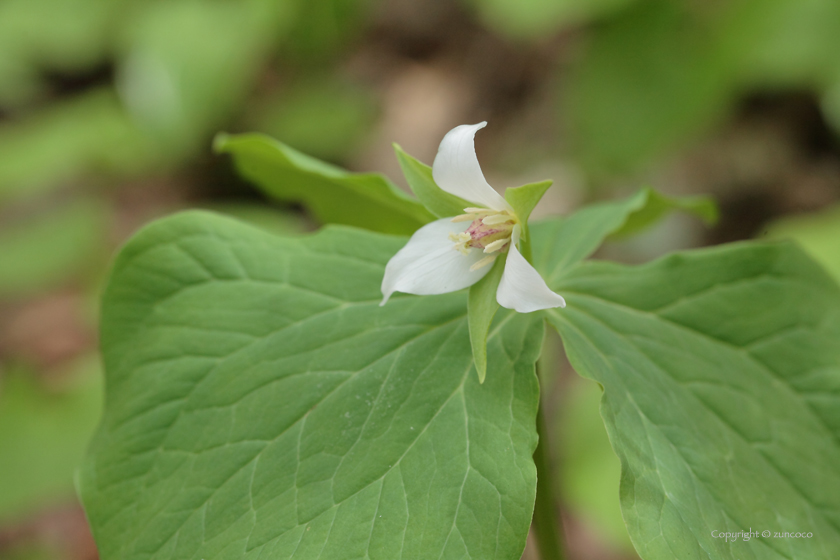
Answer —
(548, 527)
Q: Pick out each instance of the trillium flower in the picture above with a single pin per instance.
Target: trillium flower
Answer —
(454, 253)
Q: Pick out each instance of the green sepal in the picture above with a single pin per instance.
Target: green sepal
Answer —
(481, 308)
(422, 184)
(523, 200)
(482, 304)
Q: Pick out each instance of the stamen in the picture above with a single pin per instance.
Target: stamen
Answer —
(496, 219)
(489, 231)
(483, 262)
(461, 240)
(496, 245)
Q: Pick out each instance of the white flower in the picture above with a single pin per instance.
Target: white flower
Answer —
(454, 253)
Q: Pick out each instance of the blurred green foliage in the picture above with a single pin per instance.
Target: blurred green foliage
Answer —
(31, 551)
(322, 117)
(654, 74)
(589, 472)
(186, 66)
(71, 139)
(43, 435)
(74, 37)
(44, 253)
(647, 81)
(659, 73)
(182, 69)
(538, 19)
(819, 235)
(322, 28)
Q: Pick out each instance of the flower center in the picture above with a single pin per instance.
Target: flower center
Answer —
(490, 230)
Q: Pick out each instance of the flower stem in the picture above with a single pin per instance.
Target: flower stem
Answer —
(548, 527)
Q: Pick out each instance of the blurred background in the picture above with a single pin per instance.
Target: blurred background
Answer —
(108, 109)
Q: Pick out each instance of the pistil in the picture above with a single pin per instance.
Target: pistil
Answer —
(490, 231)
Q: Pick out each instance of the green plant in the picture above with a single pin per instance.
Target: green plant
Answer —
(261, 403)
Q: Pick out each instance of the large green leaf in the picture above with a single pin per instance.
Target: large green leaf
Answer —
(260, 404)
(366, 200)
(721, 375)
(86, 134)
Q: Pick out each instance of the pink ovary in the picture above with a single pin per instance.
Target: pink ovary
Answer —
(482, 235)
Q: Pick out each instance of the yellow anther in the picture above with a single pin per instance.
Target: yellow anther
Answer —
(461, 240)
(464, 218)
(496, 219)
(472, 210)
(483, 262)
(496, 245)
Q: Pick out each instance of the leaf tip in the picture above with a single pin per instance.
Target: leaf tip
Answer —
(480, 368)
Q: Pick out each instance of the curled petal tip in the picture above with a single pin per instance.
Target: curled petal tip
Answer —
(456, 169)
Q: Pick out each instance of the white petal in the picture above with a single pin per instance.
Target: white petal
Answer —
(456, 168)
(430, 264)
(522, 288)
